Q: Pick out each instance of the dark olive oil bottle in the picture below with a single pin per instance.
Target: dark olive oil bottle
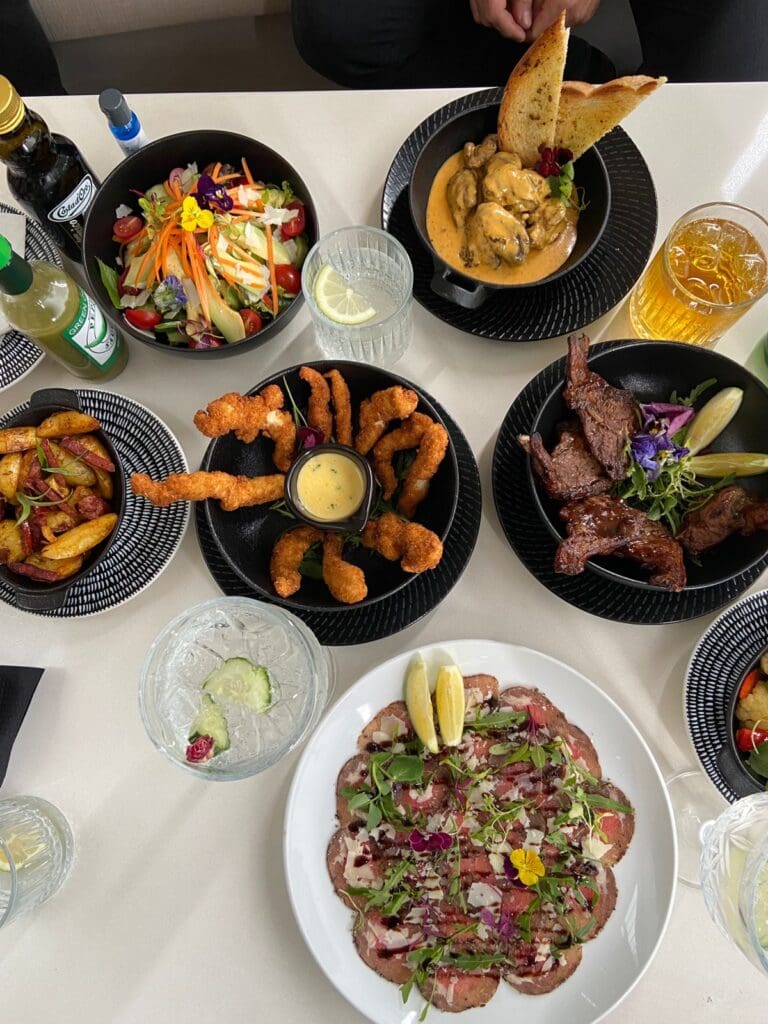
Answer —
(46, 172)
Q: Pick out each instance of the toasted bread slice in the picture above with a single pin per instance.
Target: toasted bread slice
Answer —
(588, 112)
(528, 112)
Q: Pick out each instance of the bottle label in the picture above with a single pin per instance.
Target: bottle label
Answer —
(90, 332)
(76, 203)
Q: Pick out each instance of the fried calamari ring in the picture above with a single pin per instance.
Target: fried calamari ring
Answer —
(318, 408)
(379, 410)
(414, 545)
(342, 407)
(232, 491)
(345, 581)
(287, 556)
(432, 449)
(407, 435)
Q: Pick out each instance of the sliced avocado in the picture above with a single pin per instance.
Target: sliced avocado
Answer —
(157, 194)
(227, 320)
(254, 239)
(174, 267)
(138, 276)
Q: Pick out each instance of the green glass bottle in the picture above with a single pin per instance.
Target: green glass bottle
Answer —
(51, 309)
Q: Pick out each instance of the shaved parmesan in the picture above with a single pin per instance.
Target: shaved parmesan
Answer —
(483, 895)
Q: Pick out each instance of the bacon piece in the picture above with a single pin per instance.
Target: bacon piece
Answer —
(53, 462)
(92, 506)
(33, 571)
(79, 449)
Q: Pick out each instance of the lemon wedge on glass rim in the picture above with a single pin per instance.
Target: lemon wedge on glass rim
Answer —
(21, 850)
(340, 302)
(450, 701)
(418, 700)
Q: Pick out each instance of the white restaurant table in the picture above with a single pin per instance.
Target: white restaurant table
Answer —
(176, 908)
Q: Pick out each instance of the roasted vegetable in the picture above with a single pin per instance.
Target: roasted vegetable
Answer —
(754, 707)
(61, 567)
(11, 542)
(10, 468)
(74, 470)
(17, 439)
(62, 423)
(82, 538)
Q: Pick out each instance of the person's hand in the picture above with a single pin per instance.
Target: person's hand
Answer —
(510, 18)
(547, 11)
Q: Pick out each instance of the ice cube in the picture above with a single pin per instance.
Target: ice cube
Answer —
(749, 271)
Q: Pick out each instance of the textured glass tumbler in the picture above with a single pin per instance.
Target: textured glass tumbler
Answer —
(378, 267)
(36, 851)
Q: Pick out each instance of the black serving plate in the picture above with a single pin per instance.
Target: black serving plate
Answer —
(652, 370)
(474, 125)
(247, 537)
(151, 165)
(535, 546)
(353, 624)
(727, 651)
(580, 296)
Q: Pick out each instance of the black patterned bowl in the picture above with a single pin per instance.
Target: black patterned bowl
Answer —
(474, 125)
(652, 370)
(32, 595)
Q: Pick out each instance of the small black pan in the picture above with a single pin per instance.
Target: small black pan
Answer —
(473, 126)
(33, 595)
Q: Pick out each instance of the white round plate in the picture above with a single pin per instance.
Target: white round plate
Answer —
(613, 963)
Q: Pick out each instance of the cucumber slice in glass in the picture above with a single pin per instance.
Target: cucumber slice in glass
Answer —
(239, 681)
(211, 722)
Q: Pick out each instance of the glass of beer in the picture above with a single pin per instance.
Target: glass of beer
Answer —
(710, 270)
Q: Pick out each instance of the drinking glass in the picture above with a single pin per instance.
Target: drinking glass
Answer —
(377, 266)
(198, 641)
(36, 852)
(710, 270)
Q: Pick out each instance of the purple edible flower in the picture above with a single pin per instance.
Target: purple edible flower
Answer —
(666, 417)
(505, 926)
(309, 437)
(650, 450)
(208, 192)
(421, 842)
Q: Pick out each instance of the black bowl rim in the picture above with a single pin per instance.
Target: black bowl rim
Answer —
(491, 285)
(599, 570)
(106, 544)
(756, 781)
(250, 341)
(340, 364)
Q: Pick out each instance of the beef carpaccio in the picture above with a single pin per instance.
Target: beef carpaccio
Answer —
(488, 862)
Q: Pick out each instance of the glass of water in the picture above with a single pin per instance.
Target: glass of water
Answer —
(200, 641)
(377, 267)
(36, 852)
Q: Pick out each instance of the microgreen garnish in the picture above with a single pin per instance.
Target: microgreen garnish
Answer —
(394, 893)
(28, 502)
(298, 416)
(376, 801)
(496, 721)
(694, 395)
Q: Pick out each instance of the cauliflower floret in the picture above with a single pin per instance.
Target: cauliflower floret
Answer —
(754, 707)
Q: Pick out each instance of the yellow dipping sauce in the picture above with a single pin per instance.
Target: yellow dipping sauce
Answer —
(330, 486)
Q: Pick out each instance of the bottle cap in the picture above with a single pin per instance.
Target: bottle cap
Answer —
(11, 107)
(115, 106)
(6, 252)
(15, 273)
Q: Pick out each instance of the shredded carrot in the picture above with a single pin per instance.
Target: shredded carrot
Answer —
(215, 171)
(271, 261)
(227, 177)
(247, 172)
(198, 273)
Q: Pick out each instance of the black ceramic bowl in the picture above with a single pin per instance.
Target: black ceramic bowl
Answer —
(473, 126)
(32, 595)
(152, 164)
(246, 537)
(652, 370)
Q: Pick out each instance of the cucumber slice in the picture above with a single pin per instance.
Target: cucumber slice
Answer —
(239, 681)
(211, 722)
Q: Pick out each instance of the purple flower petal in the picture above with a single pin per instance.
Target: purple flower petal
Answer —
(309, 437)
(509, 869)
(208, 193)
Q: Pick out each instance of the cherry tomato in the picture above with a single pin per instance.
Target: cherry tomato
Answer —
(748, 739)
(144, 319)
(288, 277)
(126, 227)
(294, 227)
(251, 321)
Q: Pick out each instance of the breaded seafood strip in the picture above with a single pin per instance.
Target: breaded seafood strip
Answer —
(342, 407)
(251, 415)
(345, 581)
(287, 556)
(407, 435)
(414, 545)
(377, 412)
(432, 449)
(232, 491)
(318, 408)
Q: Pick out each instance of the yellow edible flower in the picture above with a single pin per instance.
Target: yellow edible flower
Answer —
(193, 218)
(529, 866)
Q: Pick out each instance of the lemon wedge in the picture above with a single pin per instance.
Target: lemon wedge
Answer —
(418, 700)
(450, 700)
(22, 849)
(338, 301)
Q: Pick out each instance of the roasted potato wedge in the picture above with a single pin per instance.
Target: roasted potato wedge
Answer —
(60, 424)
(82, 538)
(74, 470)
(55, 522)
(11, 544)
(10, 470)
(104, 484)
(63, 567)
(17, 439)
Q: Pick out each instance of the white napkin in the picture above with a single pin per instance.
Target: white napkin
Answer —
(14, 227)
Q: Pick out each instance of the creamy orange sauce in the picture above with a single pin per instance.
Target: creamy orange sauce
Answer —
(330, 486)
(447, 239)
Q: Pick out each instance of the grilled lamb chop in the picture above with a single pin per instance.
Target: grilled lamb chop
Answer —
(731, 510)
(603, 525)
(571, 471)
(609, 415)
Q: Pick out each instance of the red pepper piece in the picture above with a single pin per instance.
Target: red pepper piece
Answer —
(750, 682)
(748, 739)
